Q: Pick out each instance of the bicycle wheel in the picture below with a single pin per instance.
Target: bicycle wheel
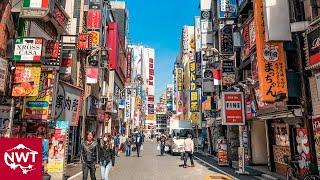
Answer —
(311, 177)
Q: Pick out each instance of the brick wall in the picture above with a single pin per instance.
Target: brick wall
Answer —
(314, 95)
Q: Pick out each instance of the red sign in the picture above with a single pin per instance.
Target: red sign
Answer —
(52, 49)
(21, 158)
(233, 108)
(84, 41)
(94, 19)
(248, 107)
(112, 43)
(59, 16)
(313, 40)
(303, 148)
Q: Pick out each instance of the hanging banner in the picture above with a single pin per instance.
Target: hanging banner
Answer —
(179, 75)
(84, 41)
(94, 19)
(233, 108)
(194, 95)
(5, 121)
(95, 35)
(26, 80)
(38, 107)
(226, 40)
(227, 9)
(68, 103)
(28, 49)
(316, 132)
(270, 60)
(303, 148)
(3, 74)
(92, 75)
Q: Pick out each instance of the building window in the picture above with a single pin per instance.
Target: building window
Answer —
(317, 76)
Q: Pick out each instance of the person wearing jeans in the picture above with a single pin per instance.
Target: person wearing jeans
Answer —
(89, 156)
(106, 157)
(128, 143)
(162, 144)
(188, 147)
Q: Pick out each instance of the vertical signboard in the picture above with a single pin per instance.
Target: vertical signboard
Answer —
(84, 41)
(179, 75)
(227, 9)
(3, 74)
(95, 38)
(197, 33)
(194, 96)
(92, 75)
(68, 103)
(233, 108)
(228, 73)
(303, 148)
(226, 40)
(94, 19)
(270, 60)
(316, 132)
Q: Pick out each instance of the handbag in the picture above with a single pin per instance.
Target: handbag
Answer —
(134, 148)
(166, 148)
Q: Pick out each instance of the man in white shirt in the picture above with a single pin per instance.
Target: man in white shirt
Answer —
(188, 147)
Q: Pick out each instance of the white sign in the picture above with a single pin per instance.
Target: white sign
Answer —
(28, 49)
(271, 52)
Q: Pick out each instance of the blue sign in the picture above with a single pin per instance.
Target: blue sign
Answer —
(62, 124)
(227, 9)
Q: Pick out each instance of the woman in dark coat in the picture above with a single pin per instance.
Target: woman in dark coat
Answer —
(106, 156)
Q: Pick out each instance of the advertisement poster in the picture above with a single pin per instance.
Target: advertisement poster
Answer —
(95, 35)
(94, 19)
(227, 9)
(222, 153)
(68, 103)
(37, 107)
(92, 74)
(233, 108)
(84, 41)
(4, 121)
(35, 129)
(26, 80)
(316, 131)
(28, 49)
(56, 151)
(206, 103)
(3, 74)
(303, 149)
(270, 60)
(194, 95)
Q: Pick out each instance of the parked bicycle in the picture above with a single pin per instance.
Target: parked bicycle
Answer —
(293, 170)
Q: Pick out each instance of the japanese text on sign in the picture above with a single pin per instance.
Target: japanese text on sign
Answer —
(194, 97)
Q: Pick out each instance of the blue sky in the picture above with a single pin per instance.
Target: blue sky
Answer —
(158, 24)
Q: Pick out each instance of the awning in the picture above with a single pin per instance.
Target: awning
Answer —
(277, 115)
(315, 66)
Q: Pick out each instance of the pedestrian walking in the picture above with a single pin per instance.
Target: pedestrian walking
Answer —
(138, 142)
(117, 144)
(162, 144)
(89, 156)
(128, 144)
(188, 147)
(106, 156)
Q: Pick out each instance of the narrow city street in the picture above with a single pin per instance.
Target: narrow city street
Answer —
(152, 166)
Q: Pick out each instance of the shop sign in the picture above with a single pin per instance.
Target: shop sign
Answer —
(34, 8)
(66, 64)
(26, 80)
(68, 103)
(150, 108)
(248, 107)
(56, 160)
(252, 34)
(222, 153)
(94, 19)
(179, 74)
(195, 116)
(84, 41)
(197, 33)
(3, 74)
(226, 40)
(21, 158)
(228, 73)
(127, 113)
(227, 9)
(110, 103)
(92, 75)
(60, 16)
(303, 148)
(151, 72)
(5, 121)
(316, 132)
(95, 35)
(122, 103)
(233, 108)
(194, 95)
(313, 39)
(94, 4)
(270, 61)
(28, 49)
(37, 107)
(129, 64)
(52, 53)
(151, 117)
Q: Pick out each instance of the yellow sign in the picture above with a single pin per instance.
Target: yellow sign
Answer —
(55, 165)
(151, 117)
(270, 59)
(194, 117)
(26, 80)
(95, 38)
(194, 96)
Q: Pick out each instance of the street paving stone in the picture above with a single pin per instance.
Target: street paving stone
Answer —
(152, 166)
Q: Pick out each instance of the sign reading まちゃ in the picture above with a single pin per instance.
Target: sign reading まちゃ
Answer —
(28, 49)
(233, 108)
(68, 103)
